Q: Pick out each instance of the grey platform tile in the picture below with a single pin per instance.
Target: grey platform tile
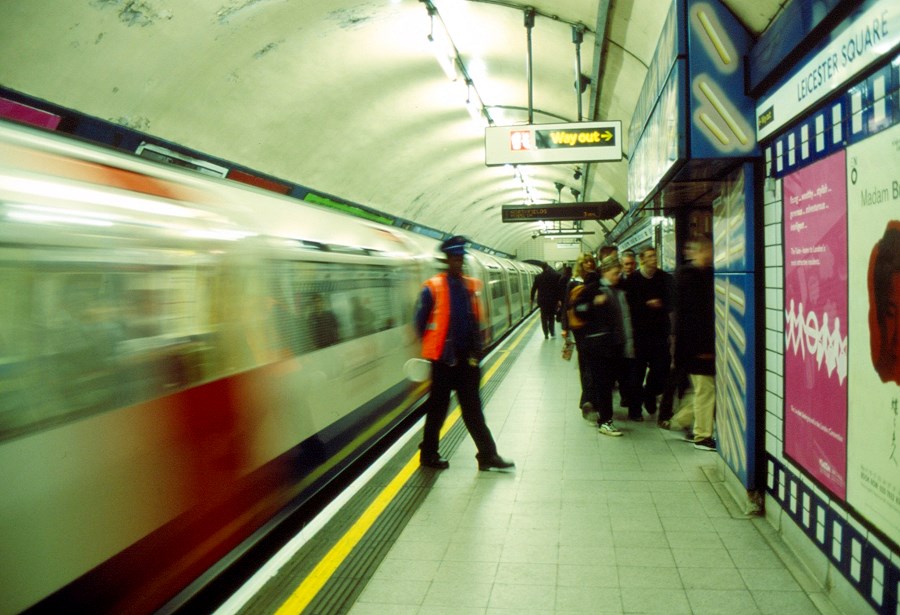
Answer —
(688, 524)
(473, 552)
(694, 540)
(759, 557)
(458, 594)
(640, 539)
(711, 578)
(521, 597)
(778, 579)
(699, 557)
(466, 572)
(649, 577)
(659, 601)
(548, 538)
(643, 523)
(583, 535)
(586, 554)
(447, 610)
(583, 575)
(525, 552)
(428, 533)
(407, 569)
(588, 600)
(418, 550)
(371, 608)
(784, 603)
(644, 556)
(483, 515)
(480, 535)
(535, 519)
(517, 573)
(637, 492)
(718, 601)
(394, 591)
(687, 509)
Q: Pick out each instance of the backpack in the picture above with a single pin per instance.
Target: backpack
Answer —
(575, 321)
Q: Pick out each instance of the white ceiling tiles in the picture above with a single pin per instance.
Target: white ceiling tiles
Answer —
(345, 96)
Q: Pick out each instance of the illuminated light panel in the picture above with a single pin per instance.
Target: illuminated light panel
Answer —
(714, 128)
(723, 112)
(714, 37)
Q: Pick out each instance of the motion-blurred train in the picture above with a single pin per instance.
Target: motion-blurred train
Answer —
(184, 360)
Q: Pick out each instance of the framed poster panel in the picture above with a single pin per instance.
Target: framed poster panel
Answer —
(815, 328)
(873, 430)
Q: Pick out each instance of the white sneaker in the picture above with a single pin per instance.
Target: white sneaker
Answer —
(608, 429)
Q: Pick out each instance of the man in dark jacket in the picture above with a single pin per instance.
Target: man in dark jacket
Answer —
(650, 298)
(546, 287)
(695, 340)
(607, 341)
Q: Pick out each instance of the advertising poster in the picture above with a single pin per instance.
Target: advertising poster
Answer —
(815, 328)
(873, 209)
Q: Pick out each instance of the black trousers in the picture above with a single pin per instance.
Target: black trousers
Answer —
(584, 372)
(652, 360)
(548, 318)
(607, 367)
(465, 379)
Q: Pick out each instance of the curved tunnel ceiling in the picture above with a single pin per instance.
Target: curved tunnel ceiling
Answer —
(345, 96)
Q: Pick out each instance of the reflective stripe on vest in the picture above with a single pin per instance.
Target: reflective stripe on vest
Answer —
(438, 324)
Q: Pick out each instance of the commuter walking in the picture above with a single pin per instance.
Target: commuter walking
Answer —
(650, 298)
(448, 319)
(695, 341)
(546, 287)
(607, 340)
(629, 263)
(585, 266)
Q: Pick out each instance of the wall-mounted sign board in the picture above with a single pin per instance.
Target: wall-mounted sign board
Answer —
(553, 143)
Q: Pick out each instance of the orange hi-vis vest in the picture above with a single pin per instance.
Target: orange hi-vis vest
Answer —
(439, 320)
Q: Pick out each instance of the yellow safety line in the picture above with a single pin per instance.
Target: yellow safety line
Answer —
(315, 581)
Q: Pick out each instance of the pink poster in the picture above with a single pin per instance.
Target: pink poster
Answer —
(815, 327)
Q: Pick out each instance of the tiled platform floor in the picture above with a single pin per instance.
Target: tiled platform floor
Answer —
(586, 524)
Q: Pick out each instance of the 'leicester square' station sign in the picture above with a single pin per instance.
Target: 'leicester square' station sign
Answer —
(553, 143)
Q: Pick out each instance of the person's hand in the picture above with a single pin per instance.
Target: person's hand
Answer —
(654, 303)
(599, 299)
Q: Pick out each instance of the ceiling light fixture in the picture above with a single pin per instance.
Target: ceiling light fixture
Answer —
(473, 104)
(450, 61)
(441, 49)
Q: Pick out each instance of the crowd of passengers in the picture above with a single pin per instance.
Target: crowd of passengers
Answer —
(625, 315)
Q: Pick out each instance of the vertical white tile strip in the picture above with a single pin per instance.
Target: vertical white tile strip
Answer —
(856, 112)
(804, 142)
(837, 134)
(820, 132)
(879, 102)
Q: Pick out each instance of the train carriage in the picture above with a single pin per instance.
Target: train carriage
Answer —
(183, 360)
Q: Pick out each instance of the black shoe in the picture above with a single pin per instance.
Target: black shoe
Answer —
(689, 436)
(636, 418)
(436, 463)
(706, 444)
(495, 462)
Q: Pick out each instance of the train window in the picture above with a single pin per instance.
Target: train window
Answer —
(496, 282)
(316, 305)
(86, 331)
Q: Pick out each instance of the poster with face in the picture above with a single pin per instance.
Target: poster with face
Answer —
(815, 297)
(873, 204)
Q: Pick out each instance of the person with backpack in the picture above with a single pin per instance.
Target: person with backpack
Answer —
(585, 266)
(607, 341)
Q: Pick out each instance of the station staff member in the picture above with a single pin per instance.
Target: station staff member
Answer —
(448, 318)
